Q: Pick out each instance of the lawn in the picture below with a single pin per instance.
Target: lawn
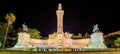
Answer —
(60, 52)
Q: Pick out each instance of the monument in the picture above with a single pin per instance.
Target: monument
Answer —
(60, 40)
(97, 38)
(23, 41)
(60, 36)
(23, 38)
(60, 14)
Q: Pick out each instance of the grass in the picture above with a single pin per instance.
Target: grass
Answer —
(28, 52)
(87, 51)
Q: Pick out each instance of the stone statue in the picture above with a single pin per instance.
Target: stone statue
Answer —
(25, 29)
(95, 28)
(97, 39)
(60, 6)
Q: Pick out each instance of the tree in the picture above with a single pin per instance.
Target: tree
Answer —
(12, 38)
(117, 42)
(79, 36)
(10, 19)
(0, 43)
(76, 37)
(3, 27)
(34, 33)
(110, 38)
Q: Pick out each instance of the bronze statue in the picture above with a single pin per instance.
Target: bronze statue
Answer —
(95, 28)
(25, 29)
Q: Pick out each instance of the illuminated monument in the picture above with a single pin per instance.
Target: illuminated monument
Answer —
(96, 38)
(60, 39)
(60, 14)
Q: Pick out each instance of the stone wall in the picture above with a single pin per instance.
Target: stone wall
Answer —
(81, 43)
(38, 42)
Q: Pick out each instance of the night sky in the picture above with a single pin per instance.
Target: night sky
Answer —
(79, 16)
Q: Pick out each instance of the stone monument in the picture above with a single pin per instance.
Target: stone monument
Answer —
(97, 38)
(23, 38)
(68, 40)
(60, 39)
(60, 35)
(60, 14)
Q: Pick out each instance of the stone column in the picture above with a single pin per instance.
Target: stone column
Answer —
(59, 14)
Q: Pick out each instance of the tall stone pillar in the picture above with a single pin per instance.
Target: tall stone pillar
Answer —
(59, 14)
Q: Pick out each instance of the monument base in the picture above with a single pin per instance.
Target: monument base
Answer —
(23, 40)
(97, 41)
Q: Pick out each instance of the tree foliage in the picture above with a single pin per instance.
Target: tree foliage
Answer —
(117, 42)
(76, 37)
(10, 19)
(11, 37)
(0, 43)
(110, 38)
(34, 33)
(3, 27)
(79, 36)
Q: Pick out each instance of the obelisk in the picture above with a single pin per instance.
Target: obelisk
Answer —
(59, 14)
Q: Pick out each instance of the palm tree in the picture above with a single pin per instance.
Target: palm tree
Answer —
(10, 19)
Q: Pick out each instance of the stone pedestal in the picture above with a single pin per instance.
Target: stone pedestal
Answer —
(97, 40)
(23, 40)
(60, 40)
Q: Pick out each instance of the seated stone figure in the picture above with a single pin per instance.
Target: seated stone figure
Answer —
(95, 28)
(25, 29)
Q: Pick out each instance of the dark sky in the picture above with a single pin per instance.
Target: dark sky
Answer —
(79, 16)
